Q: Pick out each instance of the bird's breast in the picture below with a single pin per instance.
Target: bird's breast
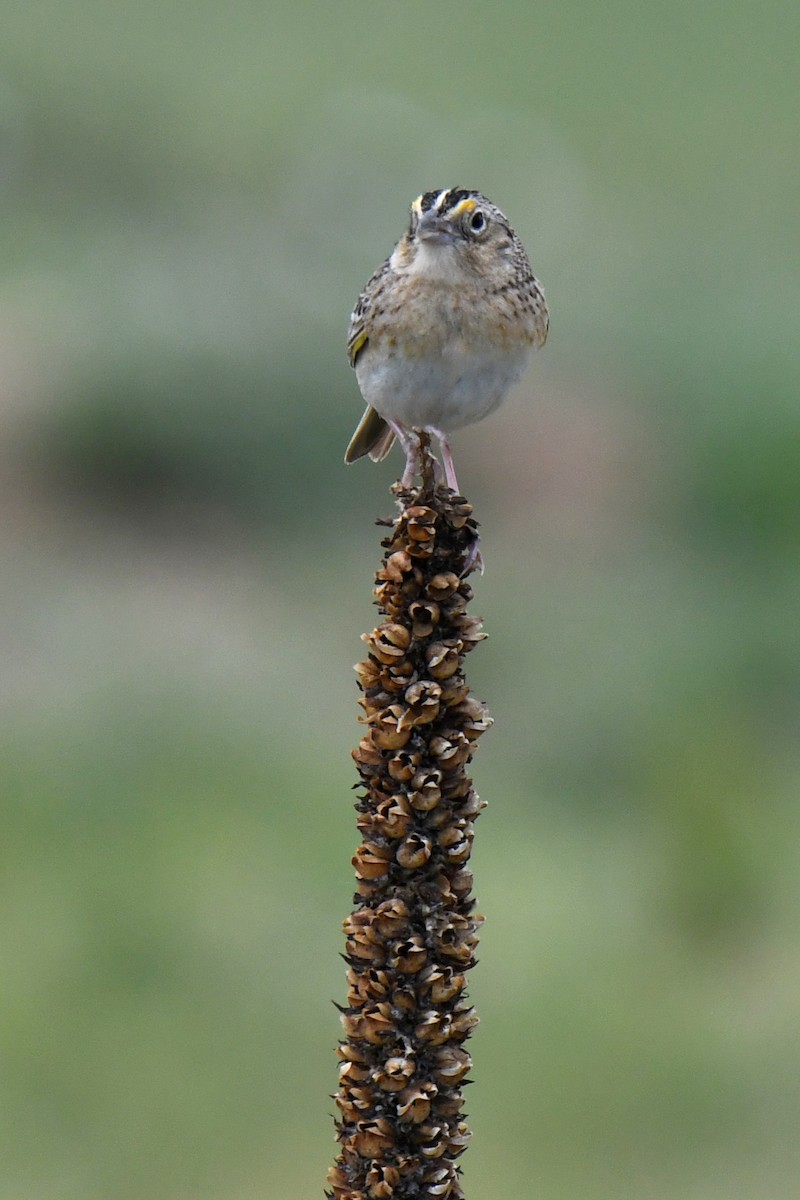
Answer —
(424, 319)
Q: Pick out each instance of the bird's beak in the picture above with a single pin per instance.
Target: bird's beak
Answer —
(435, 229)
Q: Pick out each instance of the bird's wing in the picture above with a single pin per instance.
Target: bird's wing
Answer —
(357, 334)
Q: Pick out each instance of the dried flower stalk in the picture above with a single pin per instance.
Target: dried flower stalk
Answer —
(413, 933)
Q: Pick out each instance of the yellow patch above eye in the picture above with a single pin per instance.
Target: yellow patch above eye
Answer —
(416, 207)
(463, 206)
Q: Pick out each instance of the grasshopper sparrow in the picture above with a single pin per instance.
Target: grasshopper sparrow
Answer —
(443, 328)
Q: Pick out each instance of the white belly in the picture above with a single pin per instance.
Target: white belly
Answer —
(442, 392)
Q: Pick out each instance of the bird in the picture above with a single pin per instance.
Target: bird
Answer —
(443, 328)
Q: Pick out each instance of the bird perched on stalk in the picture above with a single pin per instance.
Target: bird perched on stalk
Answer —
(443, 328)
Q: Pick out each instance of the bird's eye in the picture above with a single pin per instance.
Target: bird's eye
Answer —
(477, 222)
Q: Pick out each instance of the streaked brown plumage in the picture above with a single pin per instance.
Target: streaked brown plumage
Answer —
(444, 327)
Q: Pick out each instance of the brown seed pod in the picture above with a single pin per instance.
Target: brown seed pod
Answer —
(444, 984)
(386, 729)
(371, 1139)
(394, 1074)
(409, 956)
(443, 658)
(414, 852)
(382, 1181)
(423, 699)
(403, 766)
(396, 566)
(388, 643)
(391, 917)
(414, 1104)
(420, 525)
(424, 616)
(397, 677)
(371, 861)
(442, 585)
(452, 1064)
(391, 818)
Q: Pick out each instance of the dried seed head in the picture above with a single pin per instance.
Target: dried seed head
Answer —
(413, 933)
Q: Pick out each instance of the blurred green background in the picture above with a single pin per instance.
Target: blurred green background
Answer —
(192, 196)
